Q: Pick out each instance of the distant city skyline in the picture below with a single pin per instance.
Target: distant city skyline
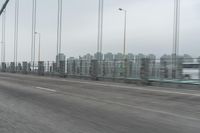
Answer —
(119, 56)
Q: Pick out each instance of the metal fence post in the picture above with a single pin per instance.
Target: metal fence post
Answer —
(163, 70)
(41, 68)
(81, 67)
(94, 69)
(19, 67)
(104, 69)
(24, 67)
(55, 67)
(125, 68)
(12, 67)
(199, 73)
(62, 68)
(130, 68)
(144, 71)
(114, 70)
(73, 67)
(29, 68)
(180, 68)
(3, 67)
(68, 68)
(48, 67)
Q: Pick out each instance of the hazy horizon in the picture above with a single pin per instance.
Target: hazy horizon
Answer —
(149, 27)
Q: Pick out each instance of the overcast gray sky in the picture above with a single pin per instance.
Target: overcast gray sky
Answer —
(150, 27)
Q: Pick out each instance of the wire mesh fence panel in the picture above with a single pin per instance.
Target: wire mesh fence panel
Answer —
(108, 69)
(85, 67)
(78, 67)
(180, 70)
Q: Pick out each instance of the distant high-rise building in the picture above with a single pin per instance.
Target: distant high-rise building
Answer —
(130, 56)
(139, 57)
(71, 58)
(187, 58)
(119, 56)
(98, 56)
(87, 57)
(152, 65)
(108, 56)
(60, 57)
(166, 58)
(151, 57)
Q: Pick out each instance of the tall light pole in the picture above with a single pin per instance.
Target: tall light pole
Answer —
(39, 45)
(16, 31)
(33, 32)
(59, 32)
(176, 29)
(100, 29)
(125, 26)
(59, 27)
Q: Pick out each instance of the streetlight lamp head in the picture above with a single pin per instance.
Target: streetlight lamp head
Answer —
(120, 9)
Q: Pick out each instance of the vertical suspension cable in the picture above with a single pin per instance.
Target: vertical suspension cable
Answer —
(98, 34)
(35, 23)
(32, 34)
(101, 38)
(59, 32)
(3, 43)
(16, 31)
(176, 26)
(59, 27)
(100, 28)
(60, 37)
(33, 31)
(176, 29)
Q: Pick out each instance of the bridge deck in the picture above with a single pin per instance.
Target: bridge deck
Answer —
(53, 105)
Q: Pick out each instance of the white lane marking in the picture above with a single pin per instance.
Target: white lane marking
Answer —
(157, 111)
(46, 89)
(134, 106)
(136, 88)
(127, 105)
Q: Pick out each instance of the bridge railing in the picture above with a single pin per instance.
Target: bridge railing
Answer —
(144, 69)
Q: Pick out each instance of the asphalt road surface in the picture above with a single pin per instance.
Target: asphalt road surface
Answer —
(32, 104)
